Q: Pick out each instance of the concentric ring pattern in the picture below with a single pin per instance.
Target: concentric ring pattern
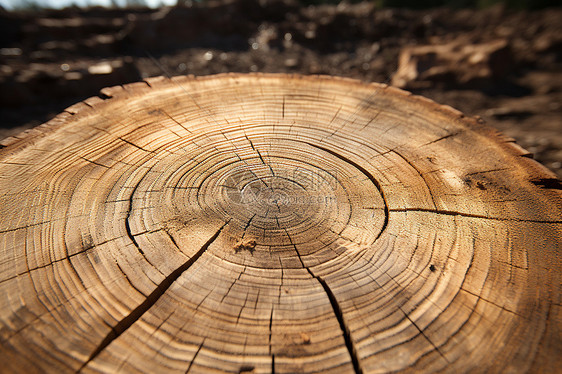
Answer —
(274, 223)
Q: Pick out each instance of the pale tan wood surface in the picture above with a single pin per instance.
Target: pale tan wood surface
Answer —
(275, 223)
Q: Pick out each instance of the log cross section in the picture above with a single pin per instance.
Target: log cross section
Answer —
(275, 224)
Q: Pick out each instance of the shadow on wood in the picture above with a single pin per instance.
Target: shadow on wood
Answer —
(261, 223)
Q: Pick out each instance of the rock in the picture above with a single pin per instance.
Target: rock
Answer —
(11, 52)
(291, 62)
(266, 37)
(102, 68)
(549, 43)
(458, 63)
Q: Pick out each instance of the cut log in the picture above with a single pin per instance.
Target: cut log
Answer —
(275, 223)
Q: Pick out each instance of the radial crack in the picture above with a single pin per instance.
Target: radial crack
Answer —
(345, 330)
(436, 348)
(131, 236)
(248, 225)
(194, 356)
(256, 150)
(130, 210)
(418, 171)
(270, 327)
(134, 145)
(470, 215)
(337, 311)
(368, 175)
(150, 300)
(443, 138)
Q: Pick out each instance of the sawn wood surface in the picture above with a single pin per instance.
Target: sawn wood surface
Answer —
(275, 223)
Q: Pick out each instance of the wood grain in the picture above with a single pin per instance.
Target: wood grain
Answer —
(275, 223)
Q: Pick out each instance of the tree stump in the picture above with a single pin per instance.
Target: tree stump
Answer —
(275, 223)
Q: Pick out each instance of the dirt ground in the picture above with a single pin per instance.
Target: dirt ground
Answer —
(52, 59)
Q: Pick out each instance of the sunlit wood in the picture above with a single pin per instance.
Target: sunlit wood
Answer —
(275, 223)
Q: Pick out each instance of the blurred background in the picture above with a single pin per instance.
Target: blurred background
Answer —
(500, 60)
